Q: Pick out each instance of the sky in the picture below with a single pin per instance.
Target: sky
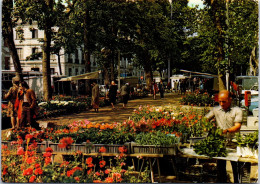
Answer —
(192, 3)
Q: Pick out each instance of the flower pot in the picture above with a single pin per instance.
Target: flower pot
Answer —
(110, 148)
(73, 148)
(153, 149)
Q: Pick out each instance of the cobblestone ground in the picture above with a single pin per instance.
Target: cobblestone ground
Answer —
(107, 115)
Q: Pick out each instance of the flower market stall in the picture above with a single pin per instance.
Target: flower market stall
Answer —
(124, 151)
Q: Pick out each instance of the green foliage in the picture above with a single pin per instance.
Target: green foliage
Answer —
(213, 146)
(196, 99)
(250, 140)
(156, 138)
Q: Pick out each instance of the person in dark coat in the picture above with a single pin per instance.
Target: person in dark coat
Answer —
(95, 96)
(161, 89)
(11, 96)
(112, 94)
(125, 94)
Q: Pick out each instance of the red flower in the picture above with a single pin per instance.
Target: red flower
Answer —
(20, 151)
(102, 150)
(97, 174)
(47, 160)
(107, 171)
(65, 163)
(5, 170)
(89, 171)
(49, 149)
(37, 165)
(117, 177)
(109, 180)
(30, 160)
(97, 181)
(4, 147)
(123, 171)
(70, 173)
(122, 149)
(28, 136)
(28, 172)
(32, 179)
(38, 171)
(122, 164)
(102, 163)
(89, 160)
(76, 178)
(66, 142)
(47, 154)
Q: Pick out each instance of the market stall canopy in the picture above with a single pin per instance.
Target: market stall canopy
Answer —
(199, 73)
(91, 75)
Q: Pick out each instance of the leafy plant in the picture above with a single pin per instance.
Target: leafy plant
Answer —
(213, 146)
(249, 140)
(156, 138)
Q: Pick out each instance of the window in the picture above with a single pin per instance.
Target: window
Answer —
(7, 63)
(20, 53)
(34, 33)
(70, 71)
(52, 71)
(34, 50)
(76, 71)
(76, 56)
(82, 71)
(35, 69)
(70, 58)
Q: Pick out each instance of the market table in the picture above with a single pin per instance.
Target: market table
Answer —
(150, 157)
(244, 172)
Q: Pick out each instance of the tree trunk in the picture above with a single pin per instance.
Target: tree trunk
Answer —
(112, 69)
(106, 75)
(253, 62)
(219, 22)
(7, 32)
(148, 71)
(59, 63)
(86, 49)
(46, 70)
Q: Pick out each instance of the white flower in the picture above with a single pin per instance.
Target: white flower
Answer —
(42, 104)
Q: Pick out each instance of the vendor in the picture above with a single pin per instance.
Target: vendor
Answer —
(229, 119)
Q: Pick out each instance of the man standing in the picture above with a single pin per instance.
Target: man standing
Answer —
(26, 105)
(11, 96)
(161, 89)
(125, 94)
(229, 119)
(95, 96)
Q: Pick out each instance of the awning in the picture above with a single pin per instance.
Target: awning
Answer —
(91, 75)
(199, 73)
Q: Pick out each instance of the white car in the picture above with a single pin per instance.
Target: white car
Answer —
(253, 90)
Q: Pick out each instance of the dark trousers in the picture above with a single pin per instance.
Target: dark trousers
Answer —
(236, 168)
(26, 118)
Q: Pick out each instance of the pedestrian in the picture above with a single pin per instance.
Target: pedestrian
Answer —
(11, 96)
(161, 89)
(125, 90)
(154, 89)
(112, 94)
(25, 105)
(95, 96)
(228, 118)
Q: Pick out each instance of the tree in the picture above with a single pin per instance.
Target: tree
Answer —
(157, 36)
(8, 23)
(45, 13)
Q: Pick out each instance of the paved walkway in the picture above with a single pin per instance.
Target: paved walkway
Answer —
(107, 115)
